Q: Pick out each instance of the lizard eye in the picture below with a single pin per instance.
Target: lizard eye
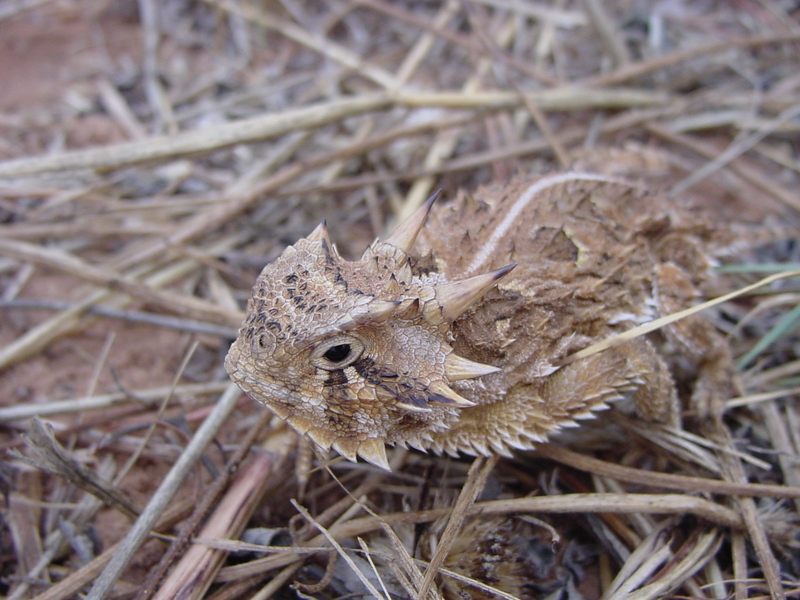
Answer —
(337, 353)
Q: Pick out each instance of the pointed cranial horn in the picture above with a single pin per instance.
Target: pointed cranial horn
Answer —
(414, 402)
(457, 368)
(441, 393)
(456, 297)
(373, 450)
(377, 311)
(371, 265)
(409, 308)
(405, 234)
(393, 286)
(320, 233)
(415, 408)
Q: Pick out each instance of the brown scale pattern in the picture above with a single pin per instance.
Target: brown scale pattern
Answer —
(463, 355)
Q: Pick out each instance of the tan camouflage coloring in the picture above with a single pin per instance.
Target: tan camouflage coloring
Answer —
(448, 336)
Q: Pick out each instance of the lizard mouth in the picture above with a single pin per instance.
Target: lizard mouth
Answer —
(373, 449)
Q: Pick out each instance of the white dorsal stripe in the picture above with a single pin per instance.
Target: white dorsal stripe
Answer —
(489, 249)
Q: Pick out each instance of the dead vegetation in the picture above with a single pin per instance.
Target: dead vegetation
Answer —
(156, 155)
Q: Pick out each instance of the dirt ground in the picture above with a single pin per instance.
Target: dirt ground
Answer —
(113, 216)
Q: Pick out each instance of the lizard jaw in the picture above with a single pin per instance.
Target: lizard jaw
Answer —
(373, 450)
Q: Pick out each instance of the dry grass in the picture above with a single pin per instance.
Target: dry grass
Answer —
(140, 200)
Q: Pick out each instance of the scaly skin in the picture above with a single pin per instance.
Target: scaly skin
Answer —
(443, 345)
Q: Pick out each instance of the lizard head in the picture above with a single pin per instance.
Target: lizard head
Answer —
(355, 354)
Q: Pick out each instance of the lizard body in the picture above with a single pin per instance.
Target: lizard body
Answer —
(449, 336)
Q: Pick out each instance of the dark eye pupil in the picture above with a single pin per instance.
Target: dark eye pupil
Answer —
(337, 353)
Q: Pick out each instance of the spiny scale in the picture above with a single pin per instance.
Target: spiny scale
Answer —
(459, 368)
(320, 233)
(454, 298)
(404, 236)
(434, 339)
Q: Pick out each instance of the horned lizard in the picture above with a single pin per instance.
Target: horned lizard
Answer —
(450, 335)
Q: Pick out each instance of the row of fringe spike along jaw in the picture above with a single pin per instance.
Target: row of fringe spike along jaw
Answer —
(451, 300)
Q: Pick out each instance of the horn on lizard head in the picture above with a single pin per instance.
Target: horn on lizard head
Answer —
(320, 234)
(456, 297)
(443, 394)
(457, 368)
(405, 234)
